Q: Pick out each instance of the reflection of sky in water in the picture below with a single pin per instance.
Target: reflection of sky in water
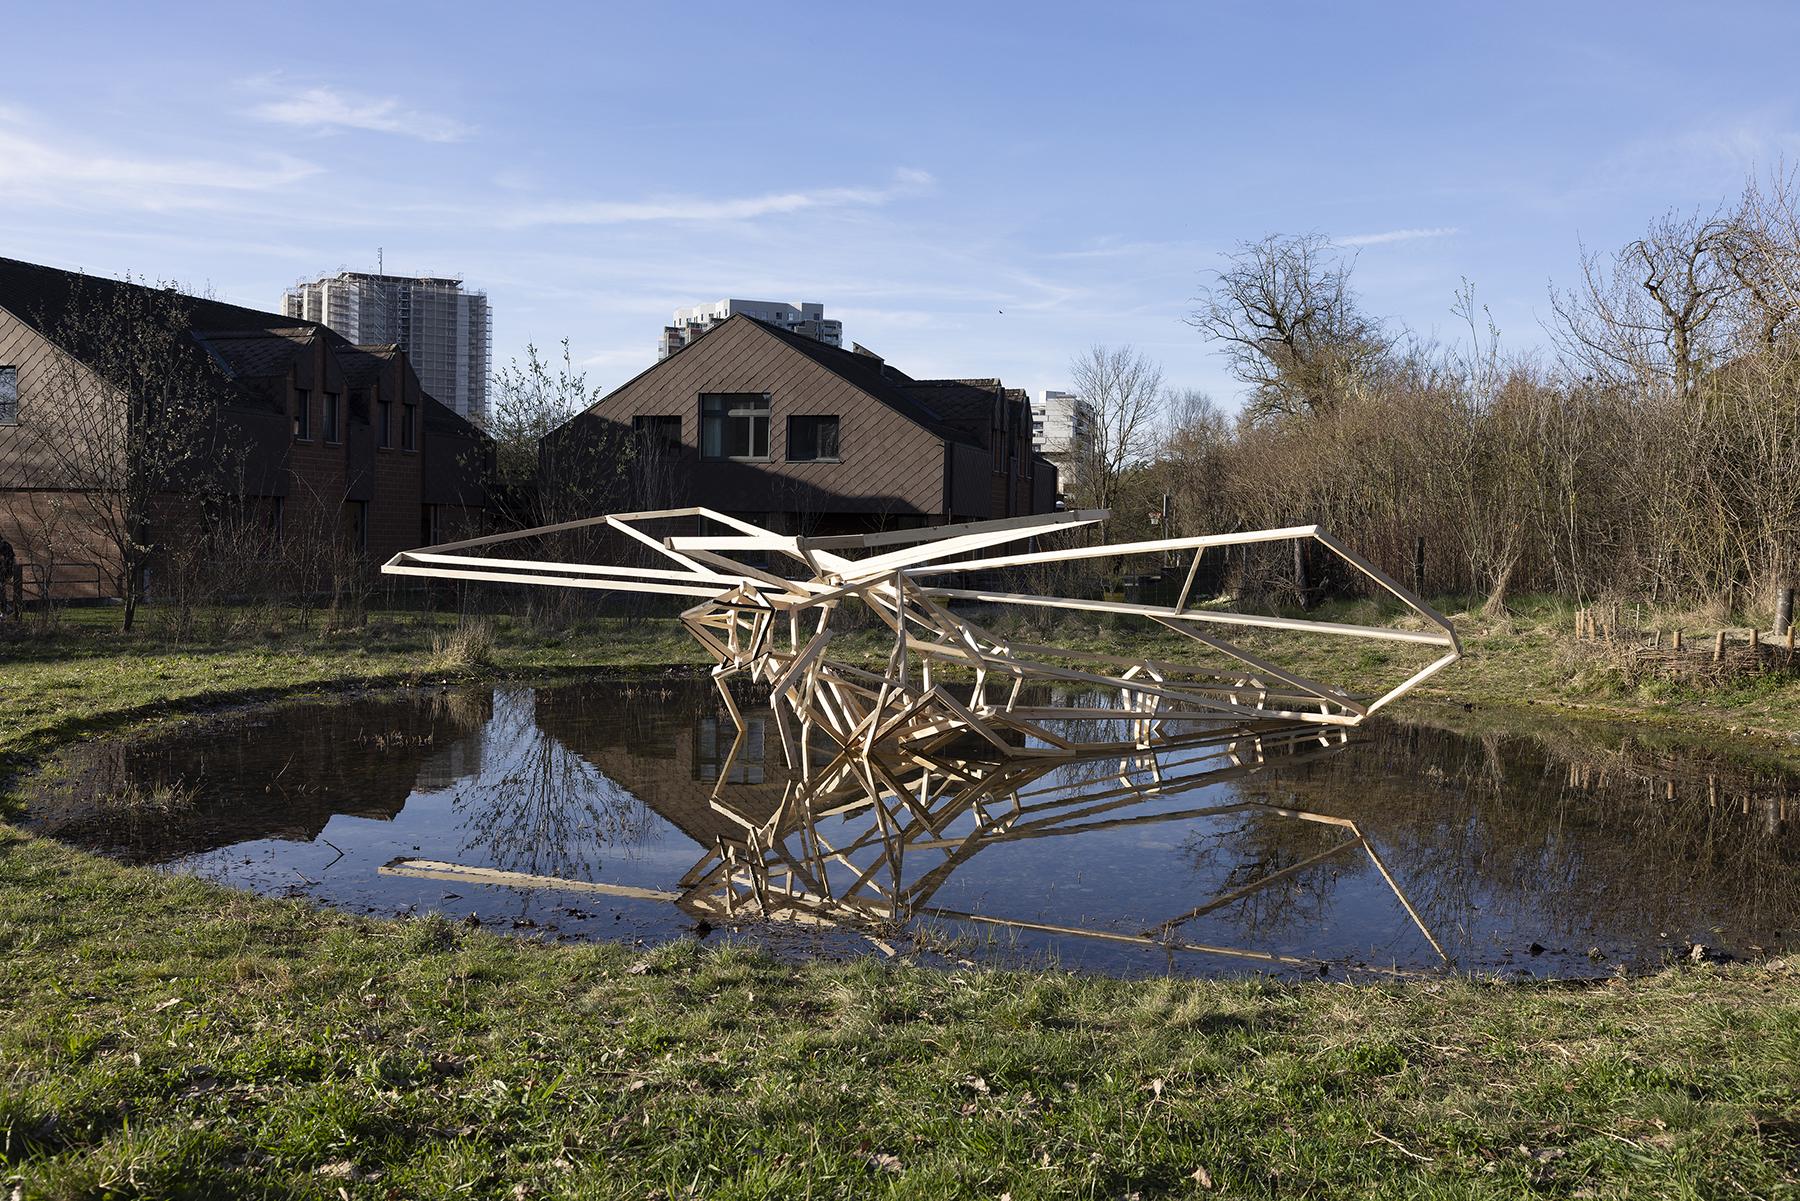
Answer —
(1501, 843)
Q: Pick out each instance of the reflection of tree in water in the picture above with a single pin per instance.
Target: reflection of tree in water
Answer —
(1259, 847)
(1494, 829)
(537, 806)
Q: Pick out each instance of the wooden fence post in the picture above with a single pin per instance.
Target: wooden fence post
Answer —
(1677, 642)
(1719, 647)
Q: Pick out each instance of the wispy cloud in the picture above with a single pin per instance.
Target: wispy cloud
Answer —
(323, 108)
(1397, 235)
(1112, 248)
(49, 170)
(717, 209)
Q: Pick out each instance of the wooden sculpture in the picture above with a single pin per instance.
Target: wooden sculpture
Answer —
(950, 744)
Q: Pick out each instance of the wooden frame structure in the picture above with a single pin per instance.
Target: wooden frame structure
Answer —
(943, 750)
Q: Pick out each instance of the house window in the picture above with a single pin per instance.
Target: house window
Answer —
(408, 439)
(812, 439)
(735, 425)
(9, 396)
(302, 414)
(381, 423)
(657, 433)
(331, 417)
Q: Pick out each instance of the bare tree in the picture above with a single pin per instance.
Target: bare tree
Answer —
(1291, 327)
(132, 425)
(1123, 393)
(1762, 252)
(528, 401)
(1656, 314)
(1194, 458)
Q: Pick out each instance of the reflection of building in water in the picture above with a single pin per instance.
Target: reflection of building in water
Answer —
(282, 776)
(658, 750)
(715, 740)
(444, 768)
(457, 754)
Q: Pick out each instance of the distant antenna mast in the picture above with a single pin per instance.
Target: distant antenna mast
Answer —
(380, 269)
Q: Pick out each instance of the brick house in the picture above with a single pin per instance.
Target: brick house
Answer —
(783, 430)
(323, 435)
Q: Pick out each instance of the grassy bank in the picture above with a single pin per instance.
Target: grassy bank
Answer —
(164, 1037)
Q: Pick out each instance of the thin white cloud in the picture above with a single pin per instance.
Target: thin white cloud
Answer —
(1397, 235)
(714, 209)
(54, 172)
(323, 108)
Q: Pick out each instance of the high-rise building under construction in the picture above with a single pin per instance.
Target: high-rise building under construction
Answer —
(444, 329)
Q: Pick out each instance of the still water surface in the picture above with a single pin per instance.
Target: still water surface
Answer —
(1521, 857)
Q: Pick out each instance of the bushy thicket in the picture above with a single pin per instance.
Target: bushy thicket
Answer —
(1654, 455)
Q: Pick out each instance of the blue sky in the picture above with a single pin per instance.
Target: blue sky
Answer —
(974, 189)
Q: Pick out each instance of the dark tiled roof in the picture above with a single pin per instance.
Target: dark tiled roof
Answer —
(362, 365)
(40, 296)
(244, 344)
(911, 398)
(964, 403)
(256, 354)
(441, 418)
(239, 344)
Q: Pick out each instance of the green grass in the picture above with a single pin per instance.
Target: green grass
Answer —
(162, 1037)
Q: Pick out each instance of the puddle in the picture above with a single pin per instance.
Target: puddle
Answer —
(1519, 857)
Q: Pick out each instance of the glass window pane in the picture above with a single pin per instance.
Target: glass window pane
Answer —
(734, 426)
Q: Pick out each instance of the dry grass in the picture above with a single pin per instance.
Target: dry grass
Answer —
(467, 647)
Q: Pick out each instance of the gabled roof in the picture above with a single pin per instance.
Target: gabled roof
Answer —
(244, 344)
(40, 297)
(221, 339)
(921, 401)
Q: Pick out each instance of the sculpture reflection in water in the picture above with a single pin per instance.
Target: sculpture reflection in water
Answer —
(866, 846)
(939, 752)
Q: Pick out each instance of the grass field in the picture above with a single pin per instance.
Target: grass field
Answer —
(161, 1037)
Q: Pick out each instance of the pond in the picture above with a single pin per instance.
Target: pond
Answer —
(1517, 856)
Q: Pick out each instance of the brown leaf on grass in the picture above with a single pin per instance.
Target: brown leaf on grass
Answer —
(978, 1084)
(883, 1161)
(1202, 1177)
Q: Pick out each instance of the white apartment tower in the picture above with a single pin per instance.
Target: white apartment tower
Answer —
(804, 318)
(1061, 424)
(444, 330)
